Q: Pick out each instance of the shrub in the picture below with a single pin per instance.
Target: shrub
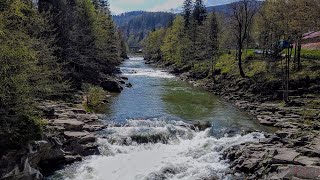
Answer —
(94, 95)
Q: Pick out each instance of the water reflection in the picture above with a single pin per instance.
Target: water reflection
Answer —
(186, 102)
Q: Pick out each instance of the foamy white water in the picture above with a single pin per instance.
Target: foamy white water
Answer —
(150, 150)
(143, 71)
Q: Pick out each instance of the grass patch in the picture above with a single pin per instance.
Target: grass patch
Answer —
(310, 54)
(227, 64)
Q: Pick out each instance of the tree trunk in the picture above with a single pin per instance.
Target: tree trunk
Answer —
(295, 56)
(240, 62)
(213, 69)
(299, 54)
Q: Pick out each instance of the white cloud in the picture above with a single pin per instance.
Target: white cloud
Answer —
(167, 6)
(128, 1)
(116, 10)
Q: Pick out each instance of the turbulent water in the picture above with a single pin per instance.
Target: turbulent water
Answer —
(151, 137)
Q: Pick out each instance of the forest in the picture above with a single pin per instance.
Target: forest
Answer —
(136, 25)
(245, 39)
(50, 49)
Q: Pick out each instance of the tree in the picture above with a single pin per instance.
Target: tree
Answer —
(242, 14)
(176, 45)
(199, 12)
(152, 44)
(28, 70)
(187, 12)
(212, 40)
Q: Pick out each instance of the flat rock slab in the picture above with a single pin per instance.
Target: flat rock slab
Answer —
(69, 124)
(285, 156)
(81, 137)
(303, 172)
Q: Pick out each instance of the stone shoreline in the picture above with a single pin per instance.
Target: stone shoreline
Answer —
(292, 152)
(69, 135)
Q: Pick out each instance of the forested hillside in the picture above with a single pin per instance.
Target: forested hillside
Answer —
(49, 50)
(260, 42)
(137, 24)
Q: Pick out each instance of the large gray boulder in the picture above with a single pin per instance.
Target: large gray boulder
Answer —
(111, 86)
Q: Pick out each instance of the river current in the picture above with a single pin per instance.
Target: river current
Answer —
(150, 135)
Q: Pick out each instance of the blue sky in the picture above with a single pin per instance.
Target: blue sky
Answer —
(120, 6)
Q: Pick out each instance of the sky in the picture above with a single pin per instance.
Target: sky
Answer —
(121, 6)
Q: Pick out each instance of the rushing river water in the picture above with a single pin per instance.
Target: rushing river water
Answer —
(150, 136)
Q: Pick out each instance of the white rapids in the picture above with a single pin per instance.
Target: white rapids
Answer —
(156, 150)
(133, 68)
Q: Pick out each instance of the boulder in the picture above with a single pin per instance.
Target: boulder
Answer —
(129, 85)
(111, 86)
(124, 78)
(80, 137)
(69, 159)
(87, 117)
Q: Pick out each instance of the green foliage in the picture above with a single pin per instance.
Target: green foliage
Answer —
(153, 43)
(18, 131)
(256, 67)
(176, 45)
(227, 64)
(42, 48)
(95, 95)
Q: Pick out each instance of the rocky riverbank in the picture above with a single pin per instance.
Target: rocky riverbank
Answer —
(293, 151)
(69, 135)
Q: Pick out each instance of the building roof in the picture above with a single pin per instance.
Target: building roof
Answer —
(311, 35)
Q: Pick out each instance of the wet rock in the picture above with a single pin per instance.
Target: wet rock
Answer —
(129, 85)
(124, 78)
(69, 159)
(201, 126)
(111, 86)
(93, 128)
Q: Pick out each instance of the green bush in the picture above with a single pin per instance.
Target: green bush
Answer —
(94, 96)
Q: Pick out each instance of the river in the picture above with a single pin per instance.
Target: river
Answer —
(150, 136)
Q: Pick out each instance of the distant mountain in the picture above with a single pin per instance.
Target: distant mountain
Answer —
(136, 25)
(225, 8)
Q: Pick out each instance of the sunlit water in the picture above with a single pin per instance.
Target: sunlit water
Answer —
(150, 136)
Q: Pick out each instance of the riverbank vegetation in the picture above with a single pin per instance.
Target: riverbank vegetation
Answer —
(266, 43)
(48, 50)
